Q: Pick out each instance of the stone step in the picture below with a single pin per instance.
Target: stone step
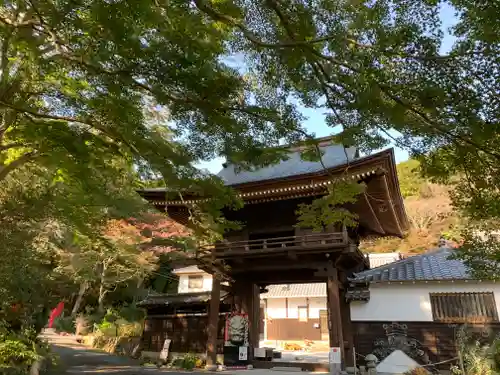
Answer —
(286, 369)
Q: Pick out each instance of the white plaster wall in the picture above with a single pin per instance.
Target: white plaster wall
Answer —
(293, 307)
(315, 305)
(276, 307)
(184, 283)
(411, 302)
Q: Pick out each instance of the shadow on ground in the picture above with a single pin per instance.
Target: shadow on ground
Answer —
(75, 358)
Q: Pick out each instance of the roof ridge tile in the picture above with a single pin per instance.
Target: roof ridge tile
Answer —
(432, 265)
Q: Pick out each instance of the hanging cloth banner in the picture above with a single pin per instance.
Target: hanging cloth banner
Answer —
(55, 313)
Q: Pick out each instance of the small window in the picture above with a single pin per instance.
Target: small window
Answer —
(464, 307)
(195, 282)
(303, 314)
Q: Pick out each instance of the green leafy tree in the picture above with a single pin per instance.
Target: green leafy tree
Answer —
(377, 70)
(123, 253)
(328, 210)
(410, 180)
(114, 259)
(86, 87)
(94, 93)
(480, 251)
(90, 91)
(38, 207)
(80, 80)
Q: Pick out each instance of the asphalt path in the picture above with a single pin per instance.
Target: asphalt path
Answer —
(75, 358)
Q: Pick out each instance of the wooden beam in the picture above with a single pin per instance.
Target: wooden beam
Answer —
(280, 251)
(266, 315)
(376, 225)
(213, 322)
(254, 317)
(306, 277)
(278, 267)
(381, 201)
(334, 313)
(347, 331)
(391, 205)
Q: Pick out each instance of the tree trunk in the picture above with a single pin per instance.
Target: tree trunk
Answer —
(79, 299)
(138, 295)
(102, 294)
(102, 290)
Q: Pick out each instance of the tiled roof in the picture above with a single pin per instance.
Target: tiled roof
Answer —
(377, 260)
(319, 289)
(333, 156)
(433, 265)
(190, 269)
(295, 290)
(358, 295)
(178, 299)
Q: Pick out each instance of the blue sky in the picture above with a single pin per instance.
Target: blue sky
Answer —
(315, 122)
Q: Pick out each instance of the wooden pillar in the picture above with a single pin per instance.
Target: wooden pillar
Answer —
(213, 323)
(334, 312)
(239, 295)
(347, 331)
(254, 317)
(250, 305)
(247, 301)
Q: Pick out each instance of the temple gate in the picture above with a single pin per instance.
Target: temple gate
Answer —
(271, 249)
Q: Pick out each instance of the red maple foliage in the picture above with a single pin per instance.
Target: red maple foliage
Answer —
(146, 230)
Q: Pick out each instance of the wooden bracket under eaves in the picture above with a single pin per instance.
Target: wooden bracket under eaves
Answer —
(216, 268)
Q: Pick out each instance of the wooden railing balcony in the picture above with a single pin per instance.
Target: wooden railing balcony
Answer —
(307, 242)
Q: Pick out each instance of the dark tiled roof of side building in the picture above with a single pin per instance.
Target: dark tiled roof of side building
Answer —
(431, 266)
(334, 155)
(179, 299)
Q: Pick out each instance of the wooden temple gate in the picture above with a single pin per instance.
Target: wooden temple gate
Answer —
(271, 249)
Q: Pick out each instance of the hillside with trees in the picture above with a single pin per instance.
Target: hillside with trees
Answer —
(430, 213)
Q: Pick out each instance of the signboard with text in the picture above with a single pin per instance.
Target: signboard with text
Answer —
(335, 356)
(243, 353)
(165, 349)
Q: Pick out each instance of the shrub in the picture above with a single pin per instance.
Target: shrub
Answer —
(15, 353)
(417, 371)
(64, 324)
(106, 328)
(129, 329)
(111, 316)
(132, 313)
(189, 361)
(83, 325)
(200, 363)
(477, 356)
(18, 351)
(177, 362)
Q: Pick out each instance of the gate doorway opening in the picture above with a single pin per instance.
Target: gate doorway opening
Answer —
(296, 323)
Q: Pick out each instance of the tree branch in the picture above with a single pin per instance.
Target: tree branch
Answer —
(204, 7)
(10, 22)
(44, 115)
(252, 37)
(89, 123)
(22, 160)
(4, 62)
(10, 145)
